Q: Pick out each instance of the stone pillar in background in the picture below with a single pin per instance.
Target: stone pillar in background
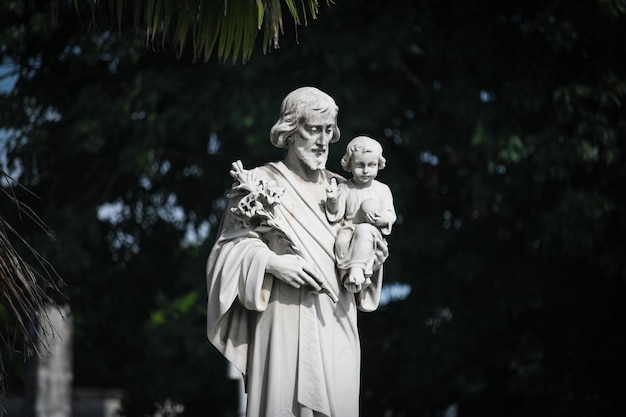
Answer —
(49, 388)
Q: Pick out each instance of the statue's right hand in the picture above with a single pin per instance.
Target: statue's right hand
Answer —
(293, 270)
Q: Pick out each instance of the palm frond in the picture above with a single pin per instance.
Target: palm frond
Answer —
(227, 27)
(24, 290)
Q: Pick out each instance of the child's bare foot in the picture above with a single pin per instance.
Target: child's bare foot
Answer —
(356, 276)
(366, 283)
(354, 280)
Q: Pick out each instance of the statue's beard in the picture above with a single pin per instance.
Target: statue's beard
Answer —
(312, 160)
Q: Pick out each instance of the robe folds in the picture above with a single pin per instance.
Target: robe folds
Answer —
(299, 350)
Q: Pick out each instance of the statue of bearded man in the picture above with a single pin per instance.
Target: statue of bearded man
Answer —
(276, 307)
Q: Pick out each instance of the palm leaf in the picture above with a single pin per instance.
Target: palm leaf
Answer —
(227, 27)
(24, 291)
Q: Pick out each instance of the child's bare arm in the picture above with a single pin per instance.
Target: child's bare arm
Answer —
(332, 197)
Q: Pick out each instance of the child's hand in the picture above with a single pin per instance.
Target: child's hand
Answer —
(333, 191)
(376, 219)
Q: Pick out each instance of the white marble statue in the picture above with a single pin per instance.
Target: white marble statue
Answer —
(277, 309)
(364, 208)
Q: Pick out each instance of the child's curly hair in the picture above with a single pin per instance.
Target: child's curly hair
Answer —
(362, 144)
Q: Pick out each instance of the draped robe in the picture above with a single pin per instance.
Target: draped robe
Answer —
(299, 350)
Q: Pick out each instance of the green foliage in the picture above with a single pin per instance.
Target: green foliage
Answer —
(501, 125)
(230, 26)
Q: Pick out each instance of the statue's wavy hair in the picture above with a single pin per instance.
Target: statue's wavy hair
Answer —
(362, 144)
(295, 106)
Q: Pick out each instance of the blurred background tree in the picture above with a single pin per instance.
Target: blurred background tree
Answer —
(502, 127)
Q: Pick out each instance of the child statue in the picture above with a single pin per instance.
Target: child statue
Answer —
(365, 209)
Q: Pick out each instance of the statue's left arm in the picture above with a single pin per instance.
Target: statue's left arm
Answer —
(369, 298)
(388, 211)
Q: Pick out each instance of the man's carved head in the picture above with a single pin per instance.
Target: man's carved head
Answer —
(296, 106)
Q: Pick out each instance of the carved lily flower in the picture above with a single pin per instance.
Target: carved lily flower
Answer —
(256, 208)
(272, 192)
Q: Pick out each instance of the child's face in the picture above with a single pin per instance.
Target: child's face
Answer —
(364, 167)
